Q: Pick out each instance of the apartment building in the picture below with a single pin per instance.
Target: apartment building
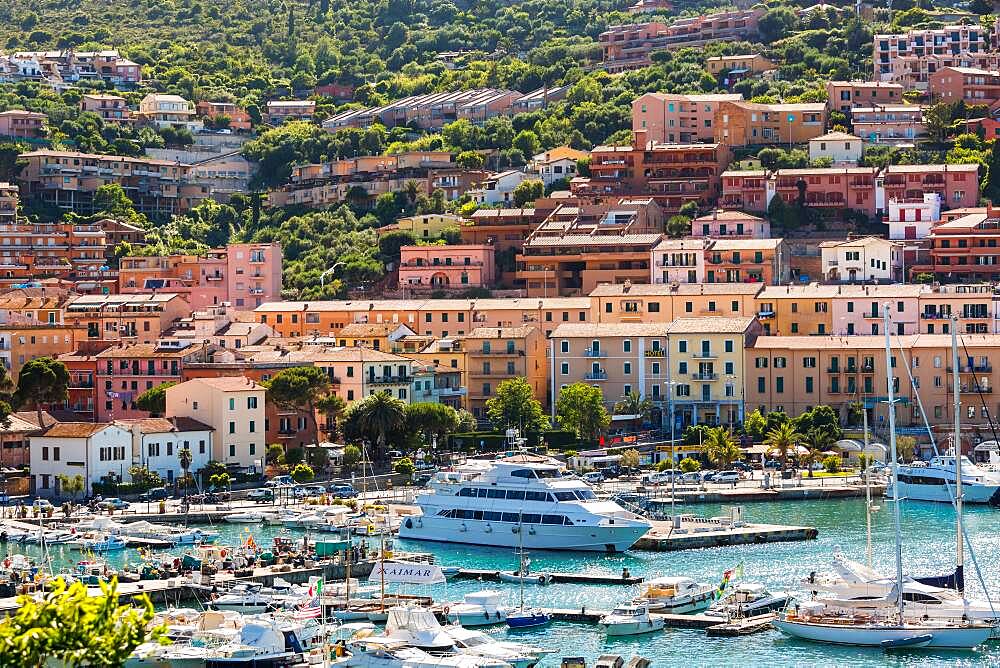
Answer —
(723, 224)
(440, 318)
(864, 259)
(739, 123)
(97, 451)
(789, 310)
(362, 180)
(68, 180)
(672, 174)
(678, 261)
(163, 111)
(109, 108)
(578, 247)
(626, 47)
(846, 95)
(455, 267)
(664, 303)
(863, 189)
(556, 164)
(911, 58)
(498, 188)
(968, 84)
(841, 148)
(431, 111)
(675, 118)
(21, 124)
(158, 442)
(129, 318)
(747, 261)
(795, 373)
(856, 309)
(889, 124)
(966, 249)
(496, 354)
(42, 305)
(229, 114)
(24, 341)
(281, 111)
(125, 371)
(740, 66)
(540, 98)
(233, 409)
(913, 219)
(242, 275)
(68, 65)
(505, 229)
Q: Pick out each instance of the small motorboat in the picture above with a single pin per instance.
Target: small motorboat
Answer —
(526, 619)
(677, 595)
(748, 600)
(525, 578)
(101, 543)
(481, 608)
(630, 620)
(246, 517)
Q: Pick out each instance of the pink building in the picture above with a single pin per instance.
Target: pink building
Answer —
(722, 224)
(244, 275)
(443, 267)
(958, 185)
(111, 108)
(279, 111)
(856, 309)
(968, 84)
(127, 370)
(845, 95)
(911, 58)
(884, 124)
(678, 119)
(22, 124)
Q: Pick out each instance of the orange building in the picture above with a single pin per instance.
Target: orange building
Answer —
(129, 318)
(739, 123)
(110, 108)
(21, 343)
(496, 354)
(664, 303)
(964, 249)
(845, 95)
(236, 117)
(765, 261)
(670, 118)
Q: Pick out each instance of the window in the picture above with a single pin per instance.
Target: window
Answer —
(729, 345)
(564, 368)
(627, 346)
(627, 368)
(761, 384)
(653, 307)
(682, 346)
(809, 384)
(252, 426)
(232, 427)
(779, 384)
(809, 362)
(232, 405)
(232, 450)
(564, 346)
(251, 403)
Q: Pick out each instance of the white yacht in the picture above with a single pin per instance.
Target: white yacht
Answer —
(677, 595)
(748, 600)
(922, 481)
(481, 608)
(490, 503)
(630, 620)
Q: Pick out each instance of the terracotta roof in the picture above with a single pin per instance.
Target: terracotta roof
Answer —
(143, 350)
(831, 136)
(850, 343)
(679, 289)
(726, 216)
(362, 329)
(710, 325)
(223, 384)
(744, 244)
(31, 417)
(590, 331)
(498, 332)
(165, 425)
(75, 429)
(17, 425)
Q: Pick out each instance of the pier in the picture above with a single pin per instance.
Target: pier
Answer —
(660, 498)
(574, 578)
(691, 535)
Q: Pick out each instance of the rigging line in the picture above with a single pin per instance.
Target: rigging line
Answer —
(948, 485)
(979, 391)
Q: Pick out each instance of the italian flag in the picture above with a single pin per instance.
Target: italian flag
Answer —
(316, 590)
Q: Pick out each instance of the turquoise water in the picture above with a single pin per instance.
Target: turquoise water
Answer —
(928, 548)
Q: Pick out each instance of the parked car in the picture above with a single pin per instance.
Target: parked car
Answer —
(260, 495)
(692, 477)
(299, 492)
(113, 504)
(217, 497)
(726, 477)
(315, 490)
(154, 494)
(593, 478)
(742, 467)
(707, 475)
(278, 481)
(343, 491)
(772, 464)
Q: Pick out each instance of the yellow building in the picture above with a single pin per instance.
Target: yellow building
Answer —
(746, 64)
(663, 302)
(790, 310)
(377, 336)
(450, 361)
(705, 362)
(425, 226)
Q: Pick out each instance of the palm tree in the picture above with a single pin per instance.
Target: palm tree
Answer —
(332, 407)
(379, 417)
(185, 459)
(782, 439)
(634, 404)
(720, 447)
(818, 441)
(412, 190)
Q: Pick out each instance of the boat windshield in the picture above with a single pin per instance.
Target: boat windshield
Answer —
(473, 641)
(548, 473)
(585, 495)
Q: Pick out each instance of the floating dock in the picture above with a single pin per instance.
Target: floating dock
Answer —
(663, 537)
(741, 627)
(660, 497)
(576, 578)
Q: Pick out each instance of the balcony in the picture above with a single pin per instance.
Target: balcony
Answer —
(214, 278)
(596, 375)
(704, 355)
(501, 352)
(976, 368)
(704, 376)
(594, 353)
(833, 369)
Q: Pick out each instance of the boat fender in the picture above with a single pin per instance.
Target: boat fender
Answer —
(487, 614)
(514, 529)
(420, 523)
(531, 531)
(464, 528)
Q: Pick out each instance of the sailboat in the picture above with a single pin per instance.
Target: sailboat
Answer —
(523, 618)
(882, 622)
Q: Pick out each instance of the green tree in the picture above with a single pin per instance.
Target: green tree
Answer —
(527, 142)
(154, 400)
(720, 447)
(689, 465)
(822, 418)
(431, 419)
(300, 389)
(754, 425)
(42, 381)
(333, 408)
(405, 466)
(301, 473)
(832, 464)
(776, 23)
(143, 478)
(318, 457)
(678, 226)
(906, 448)
(470, 160)
(466, 422)
(351, 458)
(939, 121)
(112, 201)
(71, 484)
(185, 458)
(527, 192)
(514, 405)
(377, 419)
(634, 404)
(783, 439)
(71, 627)
(629, 458)
(275, 454)
(580, 408)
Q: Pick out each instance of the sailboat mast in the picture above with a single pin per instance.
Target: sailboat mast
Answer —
(890, 393)
(957, 447)
(520, 559)
(868, 492)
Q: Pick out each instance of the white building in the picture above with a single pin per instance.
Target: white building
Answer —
(556, 164)
(498, 188)
(233, 406)
(157, 443)
(97, 451)
(913, 219)
(842, 148)
(678, 261)
(861, 259)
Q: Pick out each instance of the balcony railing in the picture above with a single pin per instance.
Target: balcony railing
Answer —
(594, 353)
(704, 376)
(596, 375)
(388, 379)
(704, 355)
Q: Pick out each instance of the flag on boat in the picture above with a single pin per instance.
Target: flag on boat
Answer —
(406, 572)
(311, 610)
(728, 576)
(316, 589)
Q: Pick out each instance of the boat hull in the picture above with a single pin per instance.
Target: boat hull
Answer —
(471, 619)
(538, 579)
(971, 493)
(633, 628)
(874, 636)
(518, 621)
(683, 607)
(606, 538)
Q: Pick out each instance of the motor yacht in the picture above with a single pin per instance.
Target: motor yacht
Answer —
(930, 481)
(245, 517)
(677, 595)
(481, 608)
(747, 600)
(491, 503)
(630, 620)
